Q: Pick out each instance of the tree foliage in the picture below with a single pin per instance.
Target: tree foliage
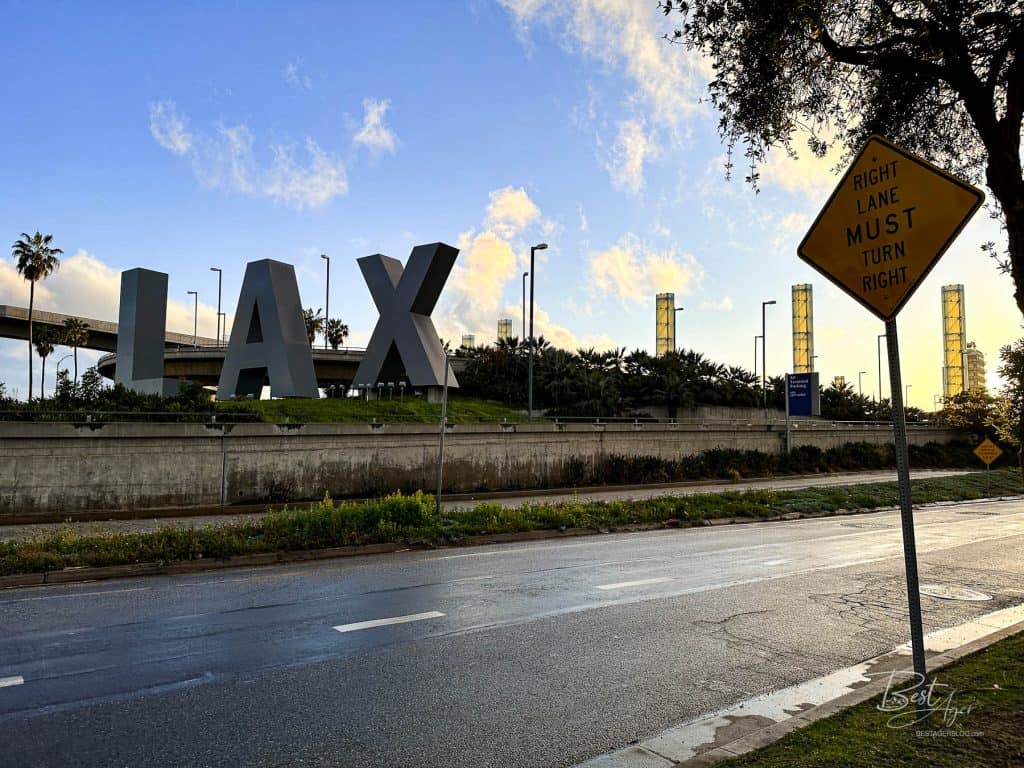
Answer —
(314, 320)
(36, 259)
(1008, 413)
(337, 332)
(944, 79)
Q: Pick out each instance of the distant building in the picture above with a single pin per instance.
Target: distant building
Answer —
(954, 331)
(505, 329)
(665, 323)
(468, 341)
(974, 360)
(803, 328)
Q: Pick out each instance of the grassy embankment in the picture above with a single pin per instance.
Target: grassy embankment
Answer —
(990, 683)
(412, 519)
(461, 410)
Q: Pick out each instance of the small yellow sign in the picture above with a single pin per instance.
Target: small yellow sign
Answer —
(988, 451)
(886, 224)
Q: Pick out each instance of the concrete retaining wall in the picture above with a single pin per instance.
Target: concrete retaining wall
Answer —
(48, 469)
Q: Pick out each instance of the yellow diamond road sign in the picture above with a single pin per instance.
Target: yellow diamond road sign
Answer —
(988, 451)
(889, 220)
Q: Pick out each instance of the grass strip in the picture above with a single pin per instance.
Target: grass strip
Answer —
(990, 683)
(411, 518)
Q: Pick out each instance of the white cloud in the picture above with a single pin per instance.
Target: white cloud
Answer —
(294, 76)
(86, 286)
(636, 273)
(668, 79)
(510, 211)
(304, 186)
(633, 147)
(584, 224)
(226, 159)
(375, 135)
(168, 127)
(724, 305)
(789, 230)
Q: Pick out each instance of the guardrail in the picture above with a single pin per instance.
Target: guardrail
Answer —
(106, 417)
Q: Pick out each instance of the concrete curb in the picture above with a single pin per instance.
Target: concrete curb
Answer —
(77, 574)
(772, 733)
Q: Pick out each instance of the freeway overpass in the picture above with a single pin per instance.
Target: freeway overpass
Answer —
(102, 333)
(197, 359)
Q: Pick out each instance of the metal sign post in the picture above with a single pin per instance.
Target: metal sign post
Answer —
(440, 445)
(899, 423)
(789, 441)
(889, 220)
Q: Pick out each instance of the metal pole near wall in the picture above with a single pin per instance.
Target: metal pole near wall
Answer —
(899, 424)
(440, 442)
(789, 437)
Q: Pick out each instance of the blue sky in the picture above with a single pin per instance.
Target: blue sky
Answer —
(211, 134)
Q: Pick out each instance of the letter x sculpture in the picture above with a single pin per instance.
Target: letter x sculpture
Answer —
(404, 338)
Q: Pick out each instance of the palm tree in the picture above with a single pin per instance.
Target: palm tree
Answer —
(44, 348)
(37, 260)
(75, 334)
(337, 332)
(314, 323)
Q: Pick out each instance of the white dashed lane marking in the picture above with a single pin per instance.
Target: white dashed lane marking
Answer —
(385, 622)
(640, 583)
(6, 682)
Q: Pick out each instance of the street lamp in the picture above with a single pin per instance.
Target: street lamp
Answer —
(813, 358)
(680, 309)
(219, 276)
(860, 389)
(56, 373)
(755, 354)
(195, 319)
(327, 296)
(764, 352)
(533, 250)
(525, 275)
(906, 394)
(878, 344)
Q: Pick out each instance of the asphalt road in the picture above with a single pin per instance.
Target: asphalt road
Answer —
(541, 654)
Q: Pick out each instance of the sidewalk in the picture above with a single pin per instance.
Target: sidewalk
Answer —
(763, 720)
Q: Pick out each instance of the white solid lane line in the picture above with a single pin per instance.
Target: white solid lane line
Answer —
(641, 582)
(6, 682)
(385, 622)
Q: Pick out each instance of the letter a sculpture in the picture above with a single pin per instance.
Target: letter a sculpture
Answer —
(404, 340)
(268, 337)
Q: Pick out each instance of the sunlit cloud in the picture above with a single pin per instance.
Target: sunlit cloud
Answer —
(635, 273)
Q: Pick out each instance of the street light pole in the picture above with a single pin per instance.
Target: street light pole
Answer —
(860, 389)
(195, 319)
(219, 276)
(878, 343)
(906, 396)
(525, 275)
(755, 356)
(56, 373)
(327, 296)
(764, 352)
(533, 250)
(677, 309)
